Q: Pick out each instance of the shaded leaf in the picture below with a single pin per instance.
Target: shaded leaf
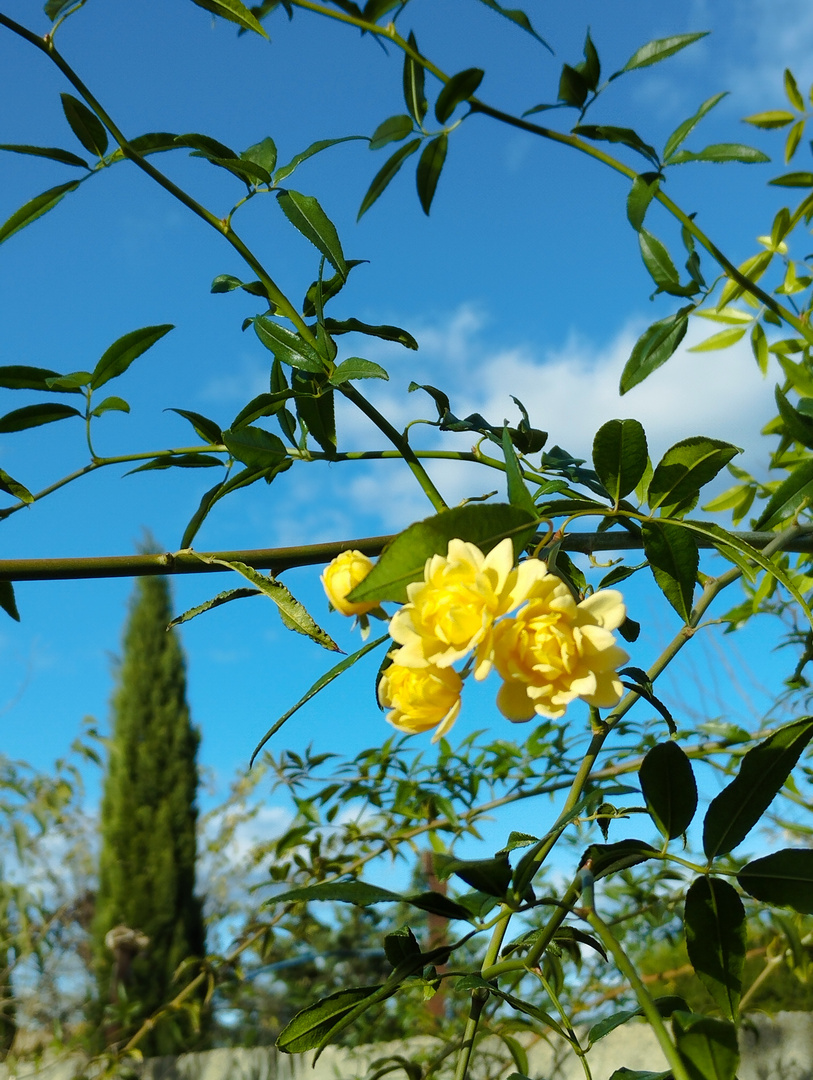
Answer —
(7, 601)
(385, 331)
(85, 125)
(254, 446)
(414, 95)
(327, 289)
(393, 129)
(665, 1006)
(458, 89)
(153, 142)
(516, 15)
(207, 500)
(312, 1027)
(430, 164)
(65, 157)
(654, 347)
(669, 788)
(673, 559)
(404, 558)
(181, 461)
(401, 945)
(385, 174)
(208, 430)
(35, 415)
(306, 215)
(489, 876)
(794, 179)
(643, 190)
(315, 409)
(314, 148)
(111, 404)
(714, 920)
(788, 497)
(15, 488)
(762, 773)
(262, 405)
(684, 469)
(610, 858)
(263, 153)
(797, 424)
(707, 1046)
(620, 456)
(625, 136)
(22, 377)
(216, 601)
(116, 359)
(518, 494)
(783, 877)
(320, 684)
(38, 206)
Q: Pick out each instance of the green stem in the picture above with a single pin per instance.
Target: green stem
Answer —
(648, 1006)
(478, 1000)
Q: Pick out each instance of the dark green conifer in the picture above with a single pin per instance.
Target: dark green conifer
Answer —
(148, 834)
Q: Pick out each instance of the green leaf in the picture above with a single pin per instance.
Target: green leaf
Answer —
(665, 1006)
(287, 346)
(306, 215)
(625, 136)
(65, 157)
(404, 558)
(430, 164)
(654, 347)
(655, 51)
(643, 190)
(70, 383)
(36, 208)
(610, 858)
(208, 430)
(328, 289)
(684, 469)
(490, 876)
(788, 497)
(263, 153)
(254, 446)
(516, 15)
(22, 377)
(312, 1027)
(620, 456)
(772, 118)
(320, 684)
(637, 1074)
(414, 95)
(794, 179)
(573, 87)
(15, 488)
(234, 11)
(721, 153)
(475, 982)
(180, 461)
(354, 367)
(385, 331)
(797, 424)
(152, 142)
(292, 613)
(315, 409)
(7, 601)
(247, 171)
(393, 129)
(401, 945)
(518, 494)
(262, 405)
(459, 88)
(216, 601)
(314, 148)
(86, 126)
(53, 8)
(673, 559)
(669, 789)
(657, 260)
(122, 353)
(206, 146)
(784, 877)
(682, 131)
(385, 174)
(207, 501)
(111, 404)
(762, 773)
(35, 415)
(346, 892)
(714, 920)
(707, 1046)
(792, 91)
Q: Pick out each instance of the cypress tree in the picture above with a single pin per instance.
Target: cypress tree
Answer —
(148, 833)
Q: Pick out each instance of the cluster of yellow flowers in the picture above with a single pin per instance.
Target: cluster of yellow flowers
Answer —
(551, 651)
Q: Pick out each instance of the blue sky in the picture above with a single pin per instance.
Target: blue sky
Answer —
(526, 279)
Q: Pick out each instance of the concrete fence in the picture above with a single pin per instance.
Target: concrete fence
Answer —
(776, 1048)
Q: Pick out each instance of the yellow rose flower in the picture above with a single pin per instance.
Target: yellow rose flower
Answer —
(452, 611)
(342, 576)
(555, 650)
(420, 698)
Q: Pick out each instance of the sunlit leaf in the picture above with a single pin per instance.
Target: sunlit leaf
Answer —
(393, 129)
(516, 15)
(654, 347)
(111, 404)
(14, 488)
(720, 153)
(682, 131)
(313, 1026)
(414, 95)
(354, 367)
(216, 601)
(35, 415)
(788, 497)
(655, 51)
(287, 346)
(306, 215)
(642, 192)
(235, 12)
(65, 157)
(657, 259)
(36, 208)
(772, 118)
(315, 148)
(620, 456)
(684, 469)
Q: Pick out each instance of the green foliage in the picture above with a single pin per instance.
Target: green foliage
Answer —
(148, 830)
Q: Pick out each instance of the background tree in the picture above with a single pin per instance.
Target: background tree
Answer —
(148, 827)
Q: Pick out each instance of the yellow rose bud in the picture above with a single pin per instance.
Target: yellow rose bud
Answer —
(452, 611)
(555, 650)
(342, 576)
(420, 698)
